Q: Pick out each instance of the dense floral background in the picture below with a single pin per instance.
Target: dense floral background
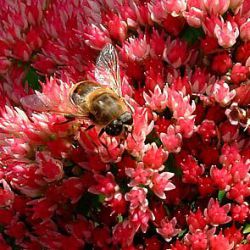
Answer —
(181, 178)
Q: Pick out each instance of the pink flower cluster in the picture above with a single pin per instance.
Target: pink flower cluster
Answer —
(180, 179)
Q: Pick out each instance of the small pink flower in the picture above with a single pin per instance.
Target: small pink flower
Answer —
(209, 24)
(123, 233)
(174, 25)
(239, 73)
(176, 53)
(160, 183)
(140, 218)
(105, 185)
(73, 189)
(5, 63)
(43, 208)
(194, 17)
(239, 192)
(168, 229)
(50, 168)
(190, 168)
(181, 84)
(171, 140)
(175, 7)
(96, 37)
(116, 26)
(222, 94)
(226, 34)
(186, 126)
(154, 156)
(179, 104)
(235, 5)
(197, 240)
(244, 31)
(229, 132)
(6, 194)
(221, 177)
(207, 130)
(136, 49)
(219, 242)
(139, 175)
(196, 221)
(158, 12)
(137, 197)
(216, 215)
(199, 80)
(240, 212)
(158, 99)
(240, 171)
(216, 7)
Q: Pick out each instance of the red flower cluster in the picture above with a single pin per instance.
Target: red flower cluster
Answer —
(180, 179)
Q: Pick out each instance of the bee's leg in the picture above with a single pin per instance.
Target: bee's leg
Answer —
(101, 133)
(90, 127)
(69, 118)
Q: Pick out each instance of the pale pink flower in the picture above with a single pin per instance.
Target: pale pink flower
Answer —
(139, 175)
(175, 7)
(194, 16)
(245, 31)
(180, 104)
(209, 24)
(96, 36)
(141, 128)
(112, 151)
(136, 49)
(160, 183)
(171, 140)
(221, 93)
(158, 99)
(235, 5)
(138, 198)
(216, 7)
(140, 218)
(158, 12)
(226, 33)
(168, 229)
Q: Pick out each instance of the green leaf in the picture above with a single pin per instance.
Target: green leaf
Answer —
(246, 229)
(182, 233)
(32, 78)
(120, 218)
(221, 195)
(191, 34)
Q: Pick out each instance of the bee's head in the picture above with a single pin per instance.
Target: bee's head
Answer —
(116, 126)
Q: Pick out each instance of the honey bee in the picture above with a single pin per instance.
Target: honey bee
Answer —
(100, 102)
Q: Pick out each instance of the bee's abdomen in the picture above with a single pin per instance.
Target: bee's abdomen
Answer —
(105, 108)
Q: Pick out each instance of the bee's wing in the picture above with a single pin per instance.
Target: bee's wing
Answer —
(41, 103)
(107, 71)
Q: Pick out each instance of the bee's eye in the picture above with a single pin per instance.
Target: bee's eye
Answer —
(126, 118)
(114, 128)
